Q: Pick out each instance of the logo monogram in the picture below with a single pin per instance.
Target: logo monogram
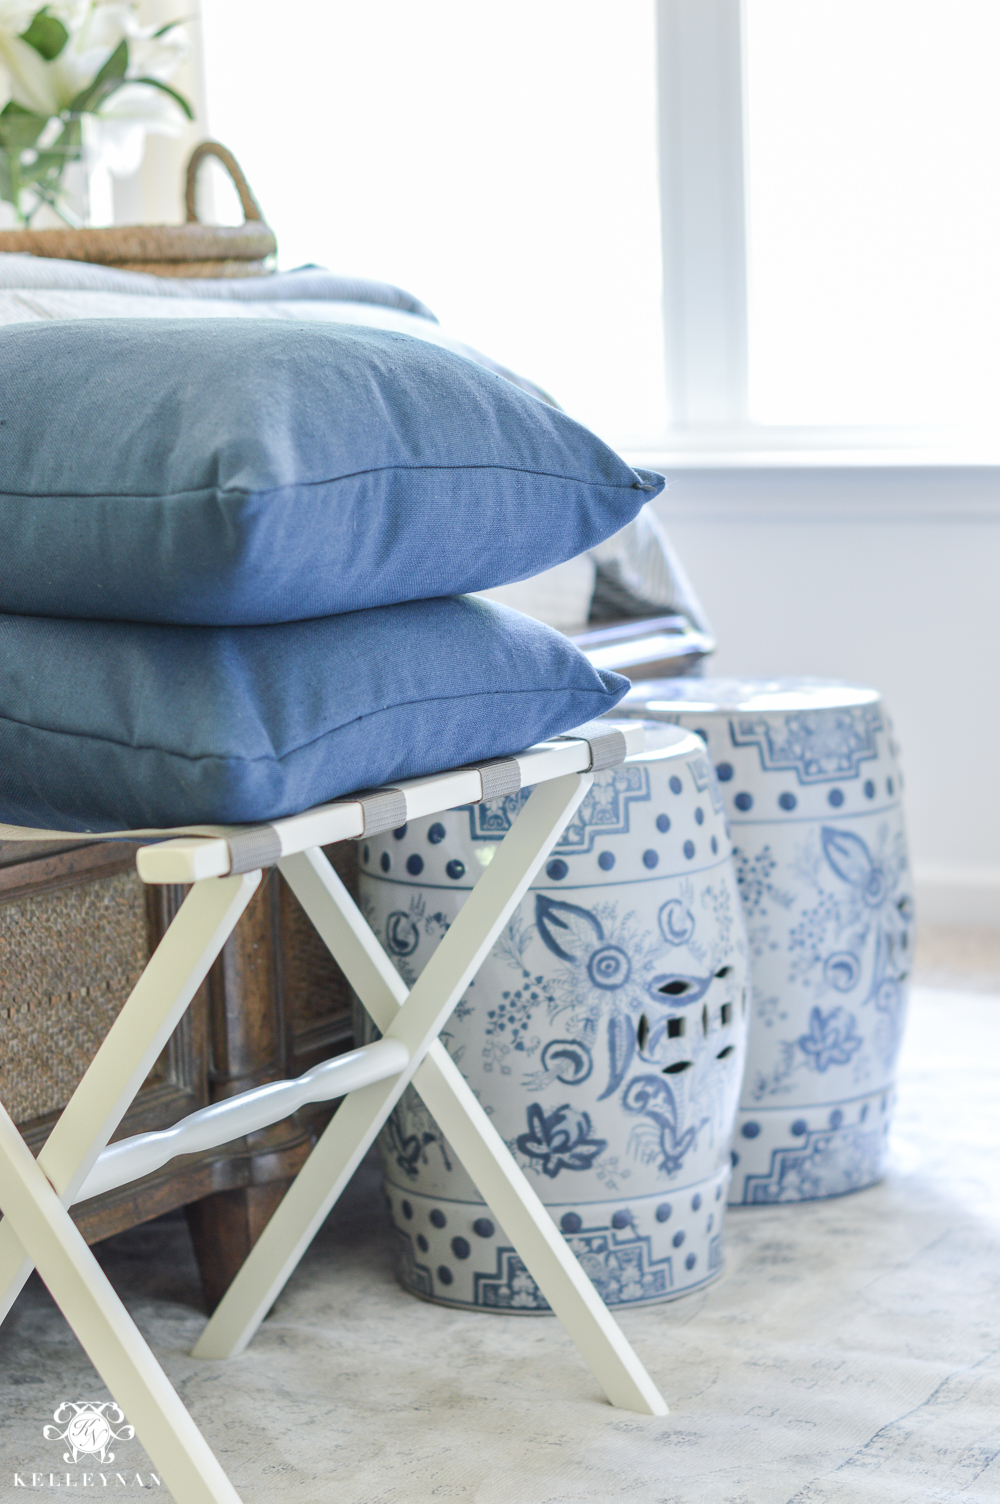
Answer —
(89, 1429)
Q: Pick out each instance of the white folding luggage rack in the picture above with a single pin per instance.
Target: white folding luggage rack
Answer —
(224, 867)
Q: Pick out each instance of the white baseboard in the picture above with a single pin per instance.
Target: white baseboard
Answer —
(966, 897)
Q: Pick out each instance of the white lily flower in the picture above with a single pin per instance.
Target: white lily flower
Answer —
(15, 15)
(158, 57)
(117, 135)
(33, 82)
(150, 56)
(70, 12)
(49, 87)
(114, 127)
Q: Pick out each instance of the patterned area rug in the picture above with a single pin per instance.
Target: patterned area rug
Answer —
(850, 1352)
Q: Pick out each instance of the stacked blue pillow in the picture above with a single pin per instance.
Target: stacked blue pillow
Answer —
(233, 565)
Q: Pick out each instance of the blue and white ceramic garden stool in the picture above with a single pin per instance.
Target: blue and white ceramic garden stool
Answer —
(813, 791)
(605, 1035)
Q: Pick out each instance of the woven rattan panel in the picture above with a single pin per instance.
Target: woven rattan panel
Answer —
(68, 960)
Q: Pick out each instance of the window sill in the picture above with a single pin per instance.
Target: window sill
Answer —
(869, 485)
(808, 458)
(771, 448)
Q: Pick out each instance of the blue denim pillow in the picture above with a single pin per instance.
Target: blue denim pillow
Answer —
(236, 472)
(114, 725)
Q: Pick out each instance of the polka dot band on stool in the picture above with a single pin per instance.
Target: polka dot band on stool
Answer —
(635, 901)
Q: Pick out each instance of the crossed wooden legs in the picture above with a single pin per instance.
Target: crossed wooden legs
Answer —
(38, 1230)
(416, 1018)
(34, 1195)
(179, 1452)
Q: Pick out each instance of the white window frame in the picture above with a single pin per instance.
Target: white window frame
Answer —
(703, 211)
(704, 188)
(704, 193)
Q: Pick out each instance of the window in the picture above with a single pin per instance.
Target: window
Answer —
(831, 197)
(873, 167)
(496, 159)
(827, 171)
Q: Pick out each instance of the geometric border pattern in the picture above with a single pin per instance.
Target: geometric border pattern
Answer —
(819, 746)
(603, 812)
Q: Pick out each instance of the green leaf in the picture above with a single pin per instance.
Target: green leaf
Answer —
(104, 83)
(115, 66)
(155, 83)
(6, 180)
(19, 128)
(46, 34)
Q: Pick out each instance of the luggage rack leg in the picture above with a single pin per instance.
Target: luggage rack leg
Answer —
(156, 1005)
(417, 1017)
(37, 1230)
(106, 1332)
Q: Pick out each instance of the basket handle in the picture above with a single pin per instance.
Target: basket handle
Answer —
(251, 208)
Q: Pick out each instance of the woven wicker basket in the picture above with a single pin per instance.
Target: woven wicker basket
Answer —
(188, 250)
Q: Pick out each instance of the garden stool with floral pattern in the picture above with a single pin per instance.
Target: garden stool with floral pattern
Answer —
(809, 773)
(605, 1035)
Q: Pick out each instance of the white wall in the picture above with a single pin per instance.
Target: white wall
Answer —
(885, 575)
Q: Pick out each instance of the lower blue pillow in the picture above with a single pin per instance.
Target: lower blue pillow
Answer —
(114, 725)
